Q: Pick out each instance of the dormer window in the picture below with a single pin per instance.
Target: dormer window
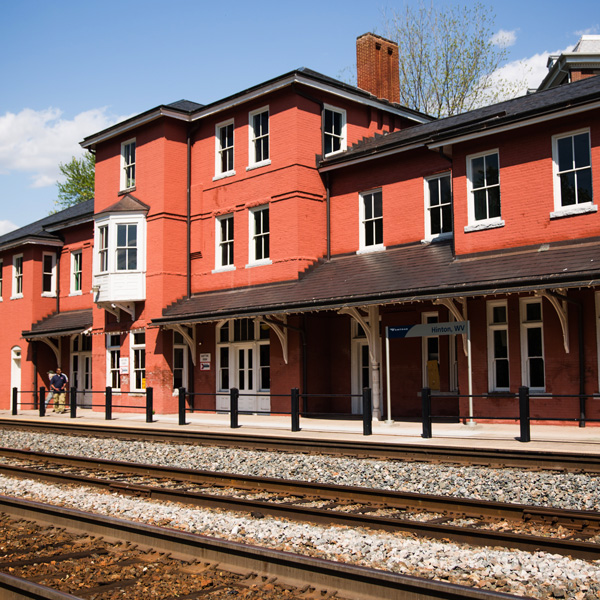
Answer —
(334, 130)
(128, 165)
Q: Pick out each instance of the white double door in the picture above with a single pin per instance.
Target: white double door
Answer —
(81, 378)
(244, 374)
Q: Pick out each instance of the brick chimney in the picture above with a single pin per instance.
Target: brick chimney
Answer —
(377, 66)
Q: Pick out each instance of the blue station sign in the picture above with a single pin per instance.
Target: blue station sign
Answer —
(427, 330)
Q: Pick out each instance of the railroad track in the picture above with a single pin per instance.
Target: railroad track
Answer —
(64, 554)
(571, 462)
(474, 522)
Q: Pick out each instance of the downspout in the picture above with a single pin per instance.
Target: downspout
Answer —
(328, 201)
(188, 274)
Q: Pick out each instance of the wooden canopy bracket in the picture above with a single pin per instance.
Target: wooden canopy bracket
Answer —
(459, 313)
(280, 331)
(560, 306)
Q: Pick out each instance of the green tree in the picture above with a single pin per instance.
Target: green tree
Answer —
(78, 185)
(448, 57)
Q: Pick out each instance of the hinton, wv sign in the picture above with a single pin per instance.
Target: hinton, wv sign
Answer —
(427, 330)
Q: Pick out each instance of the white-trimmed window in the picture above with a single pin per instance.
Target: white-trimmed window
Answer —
(259, 236)
(258, 126)
(180, 361)
(1, 277)
(76, 272)
(103, 248)
(138, 361)
(17, 278)
(334, 130)
(498, 364)
(224, 236)
(483, 185)
(128, 165)
(572, 166)
(438, 206)
(431, 355)
(48, 274)
(224, 149)
(371, 221)
(532, 344)
(127, 247)
(113, 359)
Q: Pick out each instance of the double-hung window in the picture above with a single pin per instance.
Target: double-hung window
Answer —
(334, 130)
(259, 235)
(498, 366)
(1, 277)
(76, 272)
(371, 221)
(113, 359)
(483, 181)
(572, 166)
(224, 237)
(17, 279)
(128, 165)
(224, 150)
(438, 206)
(532, 344)
(126, 247)
(138, 360)
(180, 361)
(103, 248)
(48, 274)
(258, 154)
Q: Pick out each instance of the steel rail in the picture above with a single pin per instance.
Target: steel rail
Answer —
(352, 582)
(576, 462)
(298, 512)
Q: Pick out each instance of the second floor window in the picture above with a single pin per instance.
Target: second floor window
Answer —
(76, 272)
(484, 183)
(128, 165)
(334, 130)
(103, 248)
(48, 274)
(224, 159)
(126, 247)
(371, 216)
(259, 137)
(259, 234)
(17, 276)
(1, 277)
(573, 169)
(438, 204)
(224, 250)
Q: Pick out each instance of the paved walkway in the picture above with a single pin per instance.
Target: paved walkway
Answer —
(552, 438)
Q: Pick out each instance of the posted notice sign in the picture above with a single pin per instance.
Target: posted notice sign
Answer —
(427, 329)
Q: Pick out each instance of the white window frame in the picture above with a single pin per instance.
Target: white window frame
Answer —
(254, 139)
(424, 349)
(491, 328)
(481, 224)
(135, 367)
(180, 346)
(220, 242)
(343, 134)
(127, 248)
(362, 198)
(1, 278)
(219, 172)
(428, 208)
(579, 207)
(525, 325)
(103, 247)
(51, 293)
(110, 370)
(17, 276)
(109, 252)
(76, 272)
(253, 235)
(127, 181)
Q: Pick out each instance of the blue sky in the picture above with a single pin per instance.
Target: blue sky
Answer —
(70, 68)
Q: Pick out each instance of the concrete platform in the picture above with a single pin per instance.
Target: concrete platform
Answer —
(552, 438)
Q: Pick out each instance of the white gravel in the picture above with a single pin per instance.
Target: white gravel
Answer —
(538, 575)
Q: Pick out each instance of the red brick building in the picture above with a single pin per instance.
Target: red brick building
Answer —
(266, 242)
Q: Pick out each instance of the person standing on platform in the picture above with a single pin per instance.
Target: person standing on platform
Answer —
(58, 385)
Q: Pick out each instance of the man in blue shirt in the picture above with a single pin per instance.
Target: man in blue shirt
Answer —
(58, 385)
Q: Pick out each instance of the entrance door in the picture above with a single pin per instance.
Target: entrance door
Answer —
(360, 373)
(81, 373)
(15, 371)
(246, 380)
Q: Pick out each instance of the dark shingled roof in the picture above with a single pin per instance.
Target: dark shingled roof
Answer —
(127, 203)
(185, 105)
(414, 272)
(44, 228)
(63, 323)
(482, 119)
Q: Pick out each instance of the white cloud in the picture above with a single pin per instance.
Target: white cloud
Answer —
(589, 31)
(6, 227)
(35, 142)
(504, 38)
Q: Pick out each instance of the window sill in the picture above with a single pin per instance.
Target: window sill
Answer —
(369, 249)
(223, 269)
(223, 175)
(258, 165)
(126, 191)
(334, 153)
(16, 297)
(259, 263)
(75, 293)
(441, 237)
(484, 226)
(571, 211)
(48, 295)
